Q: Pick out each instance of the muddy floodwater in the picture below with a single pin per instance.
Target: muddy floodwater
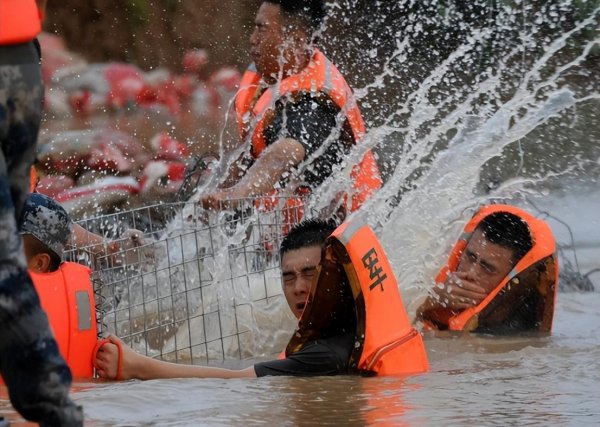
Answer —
(462, 109)
(473, 380)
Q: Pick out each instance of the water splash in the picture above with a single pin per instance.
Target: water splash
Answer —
(437, 127)
(445, 132)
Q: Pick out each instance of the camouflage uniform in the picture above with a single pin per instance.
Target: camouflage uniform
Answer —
(38, 378)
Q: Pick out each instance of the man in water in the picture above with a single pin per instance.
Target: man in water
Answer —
(37, 377)
(300, 255)
(296, 113)
(501, 276)
(332, 309)
(45, 227)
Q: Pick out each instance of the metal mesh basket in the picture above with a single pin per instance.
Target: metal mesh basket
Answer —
(190, 290)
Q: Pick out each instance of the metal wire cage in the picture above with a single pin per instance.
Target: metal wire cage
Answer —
(190, 284)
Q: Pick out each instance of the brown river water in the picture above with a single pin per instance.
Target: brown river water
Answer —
(476, 380)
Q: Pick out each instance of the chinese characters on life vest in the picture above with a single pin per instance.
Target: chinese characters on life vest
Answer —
(371, 262)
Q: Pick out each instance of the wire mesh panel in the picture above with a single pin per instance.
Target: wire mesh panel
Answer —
(187, 285)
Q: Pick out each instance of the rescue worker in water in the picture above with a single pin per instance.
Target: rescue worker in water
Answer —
(501, 276)
(296, 114)
(344, 325)
(64, 288)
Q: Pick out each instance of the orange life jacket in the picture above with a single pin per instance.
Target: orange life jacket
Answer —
(530, 287)
(67, 297)
(320, 76)
(20, 21)
(355, 262)
(33, 179)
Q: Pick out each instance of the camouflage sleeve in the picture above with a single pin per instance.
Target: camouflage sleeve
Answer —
(37, 377)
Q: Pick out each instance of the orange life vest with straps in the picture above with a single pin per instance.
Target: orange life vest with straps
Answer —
(355, 264)
(20, 21)
(254, 113)
(33, 179)
(67, 297)
(528, 290)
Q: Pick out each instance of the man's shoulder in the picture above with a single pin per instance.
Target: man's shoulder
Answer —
(328, 356)
(339, 345)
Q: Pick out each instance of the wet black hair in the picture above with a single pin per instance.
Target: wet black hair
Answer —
(309, 13)
(310, 232)
(509, 231)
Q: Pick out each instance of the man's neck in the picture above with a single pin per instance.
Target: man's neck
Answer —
(293, 66)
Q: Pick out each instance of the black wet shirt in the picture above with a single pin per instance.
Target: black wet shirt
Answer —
(328, 356)
(312, 120)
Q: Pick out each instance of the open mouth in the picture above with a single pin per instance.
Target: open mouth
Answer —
(300, 305)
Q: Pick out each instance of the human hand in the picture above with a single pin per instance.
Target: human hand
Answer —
(222, 199)
(132, 238)
(130, 247)
(458, 292)
(114, 360)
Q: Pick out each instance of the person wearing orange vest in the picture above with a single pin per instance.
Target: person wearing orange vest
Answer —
(501, 276)
(95, 244)
(296, 114)
(65, 288)
(37, 377)
(351, 316)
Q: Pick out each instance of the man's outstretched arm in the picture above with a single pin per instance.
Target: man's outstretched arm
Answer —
(271, 166)
(138, 366)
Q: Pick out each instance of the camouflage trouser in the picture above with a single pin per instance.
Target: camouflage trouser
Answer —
(37, 377)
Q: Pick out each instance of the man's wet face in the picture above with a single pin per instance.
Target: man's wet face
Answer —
(298, 267)
(267, 40)
(485, 263)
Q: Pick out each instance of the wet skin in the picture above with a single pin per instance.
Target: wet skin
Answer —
(481, 267)
(266, 40)
(277, 49)
(298, 268)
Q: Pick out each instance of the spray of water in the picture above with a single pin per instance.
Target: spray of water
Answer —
(442, 135)
(445, 90)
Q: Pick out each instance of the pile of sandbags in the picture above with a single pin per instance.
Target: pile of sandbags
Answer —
(106, 165)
